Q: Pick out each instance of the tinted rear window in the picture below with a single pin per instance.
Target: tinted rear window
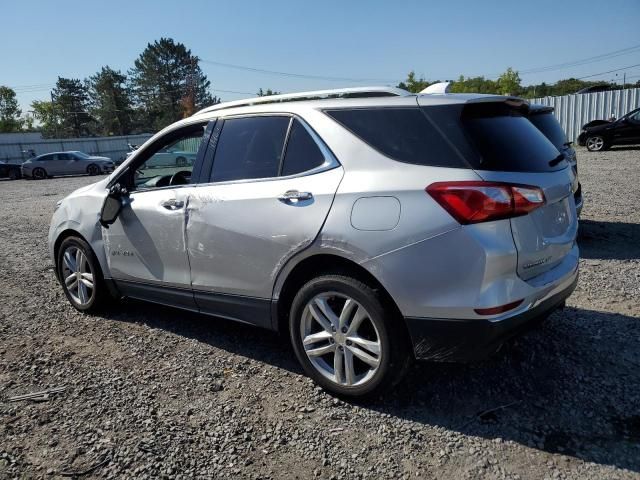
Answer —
(404, 134)
(550, 127)
(506, 140)
(302, 153)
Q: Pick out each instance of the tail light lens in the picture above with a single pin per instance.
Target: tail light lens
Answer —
(478, 201)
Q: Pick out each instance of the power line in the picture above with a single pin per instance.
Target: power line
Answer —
(295, 75)
(584, 61)
(609, 71)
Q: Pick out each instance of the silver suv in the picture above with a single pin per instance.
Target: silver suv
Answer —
(372, 225)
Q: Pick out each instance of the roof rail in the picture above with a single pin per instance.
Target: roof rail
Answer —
(355, 92)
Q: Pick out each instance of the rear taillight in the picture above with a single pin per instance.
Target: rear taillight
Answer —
(477, 201)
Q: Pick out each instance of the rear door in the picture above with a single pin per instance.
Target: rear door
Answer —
(502, 145)
(270, 189)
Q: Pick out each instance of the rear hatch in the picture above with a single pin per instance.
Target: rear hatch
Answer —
(499, 142)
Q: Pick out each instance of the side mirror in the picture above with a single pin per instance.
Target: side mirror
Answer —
(112, 205)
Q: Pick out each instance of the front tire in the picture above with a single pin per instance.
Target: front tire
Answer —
(596, 143)
(80, 275)
(93, 170)
(39, 174)
(344, 337)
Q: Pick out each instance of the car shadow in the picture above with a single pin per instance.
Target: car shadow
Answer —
(625, 147)
(609, 240)
(570, 386)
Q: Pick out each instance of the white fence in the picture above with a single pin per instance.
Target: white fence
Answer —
(573, 111)
(112, 147)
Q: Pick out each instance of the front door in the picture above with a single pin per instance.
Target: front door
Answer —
(145, 246)
(270, 190)
(628, 130)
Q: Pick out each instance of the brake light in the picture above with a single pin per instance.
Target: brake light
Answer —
(478, 201)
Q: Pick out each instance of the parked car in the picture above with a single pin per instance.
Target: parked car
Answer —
(66, 163)
(604, 87)
(172, 158)
(371, 225)
(545, 121)
(10, 171)
(602, 134)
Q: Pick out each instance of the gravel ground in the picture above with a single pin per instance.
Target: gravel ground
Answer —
(157, 393)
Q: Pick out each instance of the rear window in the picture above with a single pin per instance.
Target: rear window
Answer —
(484, 136)
(506, 140)
(550, 127)
(404, 134)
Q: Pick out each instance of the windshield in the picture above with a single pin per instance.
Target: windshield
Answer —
(81, 154)
(550, 127)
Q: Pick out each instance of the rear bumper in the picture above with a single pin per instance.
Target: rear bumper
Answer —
(450, 340)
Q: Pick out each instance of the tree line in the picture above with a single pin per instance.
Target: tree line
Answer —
(165, 84)
(509, 83)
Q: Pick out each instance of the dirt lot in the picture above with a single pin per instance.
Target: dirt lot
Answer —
(153, 392)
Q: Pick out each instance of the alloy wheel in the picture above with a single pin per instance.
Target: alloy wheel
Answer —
(595, 143)
(39, 174)
(77, 275)
(92, 170)
(340, 339)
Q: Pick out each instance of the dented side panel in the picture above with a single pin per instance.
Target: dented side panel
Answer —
(239, 235)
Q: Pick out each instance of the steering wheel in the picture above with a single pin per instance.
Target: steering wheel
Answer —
(180, 178)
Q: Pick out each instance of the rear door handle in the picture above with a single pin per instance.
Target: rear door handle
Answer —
(293, 196)
(173, 204)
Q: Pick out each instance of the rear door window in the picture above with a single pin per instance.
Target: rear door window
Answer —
(302, 152)
(250, 147)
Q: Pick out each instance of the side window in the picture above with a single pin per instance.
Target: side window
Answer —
(170, 160)
(63, 156)
(46, 158)
(250, 147)
(302, 152)
(403, 134)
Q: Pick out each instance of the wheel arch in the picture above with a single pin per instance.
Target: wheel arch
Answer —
(314, 266)
(62, 236)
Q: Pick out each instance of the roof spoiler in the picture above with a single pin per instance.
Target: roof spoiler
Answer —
(436, 88)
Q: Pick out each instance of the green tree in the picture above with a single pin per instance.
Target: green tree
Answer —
(267, 92)
(474, 85)
(109, 102)
(9, 111)
(44, 114)
(414, 84)
(167, 84)
(509, 82)
(71, 108)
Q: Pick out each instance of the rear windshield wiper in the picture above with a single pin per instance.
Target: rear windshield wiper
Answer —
(556, 160)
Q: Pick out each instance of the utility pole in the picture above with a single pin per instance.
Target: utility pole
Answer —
(53, 112)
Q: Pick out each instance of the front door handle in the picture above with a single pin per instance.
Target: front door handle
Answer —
(173, 204)
(294, 196)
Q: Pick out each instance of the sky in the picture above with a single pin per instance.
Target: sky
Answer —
(358, 42)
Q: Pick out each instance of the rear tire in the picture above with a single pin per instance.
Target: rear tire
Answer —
(13, 175)
(596, 143)
(38, 174)
(344, 337)
(181, 161)
(80, 275)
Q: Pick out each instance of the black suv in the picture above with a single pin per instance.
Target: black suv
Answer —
(602, 134)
